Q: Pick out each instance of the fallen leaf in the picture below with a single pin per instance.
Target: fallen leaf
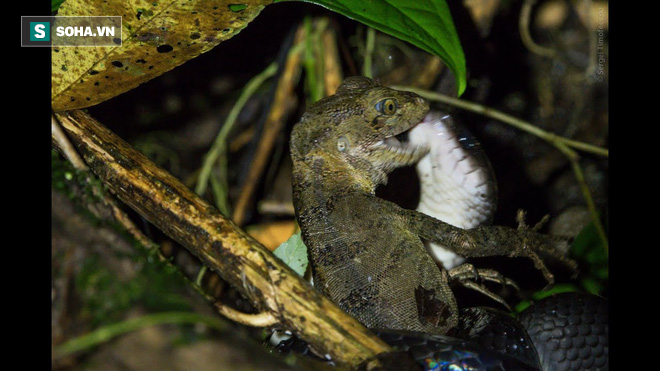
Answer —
(293, 252)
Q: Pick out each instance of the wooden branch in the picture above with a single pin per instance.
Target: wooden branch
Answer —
(247, 265)
(279, 110)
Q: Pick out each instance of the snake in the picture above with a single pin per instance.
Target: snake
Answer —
(458, 183)
(458, 186)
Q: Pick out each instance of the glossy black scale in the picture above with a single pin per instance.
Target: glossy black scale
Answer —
(566, 331)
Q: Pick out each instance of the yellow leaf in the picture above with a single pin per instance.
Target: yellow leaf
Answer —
(156, 37)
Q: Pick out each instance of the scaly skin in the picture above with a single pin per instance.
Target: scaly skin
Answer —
(366, 253)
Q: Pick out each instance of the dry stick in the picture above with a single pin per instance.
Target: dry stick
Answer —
(557, 141)
(332, 74)
(266, 281)
(61, 142)
(262, 319)
(218, 152)
(272, 126)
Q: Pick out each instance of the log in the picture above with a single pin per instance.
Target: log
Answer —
(243, 262)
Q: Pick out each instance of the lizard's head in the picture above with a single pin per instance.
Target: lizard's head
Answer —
(357, 126)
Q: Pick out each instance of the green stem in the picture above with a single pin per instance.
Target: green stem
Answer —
(106, 333)
(319, 51)
(309, 62)
(200, 275)
(523, 28)
(513, 121)
(218, 148)
(369, 52)
(579, 176)
(314, 59)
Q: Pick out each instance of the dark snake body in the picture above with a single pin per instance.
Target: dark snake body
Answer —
(562, 332)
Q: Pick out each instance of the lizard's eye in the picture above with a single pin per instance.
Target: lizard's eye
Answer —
(387, 106)
(342, 144)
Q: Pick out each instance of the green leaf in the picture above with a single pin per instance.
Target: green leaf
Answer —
(589, 252)
(55, 4)
(426, 24)
(293, 252)
(557, 289)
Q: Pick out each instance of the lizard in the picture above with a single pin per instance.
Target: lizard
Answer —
(367, 253)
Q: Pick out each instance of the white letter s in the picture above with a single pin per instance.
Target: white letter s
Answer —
(40, 34)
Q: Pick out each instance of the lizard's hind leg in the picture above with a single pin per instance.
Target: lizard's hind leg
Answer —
(467, 275)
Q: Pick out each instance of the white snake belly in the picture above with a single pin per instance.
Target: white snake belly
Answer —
(457, 182)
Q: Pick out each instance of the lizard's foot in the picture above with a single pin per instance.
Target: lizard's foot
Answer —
(522, 225)
(533, 243)
(467, 275)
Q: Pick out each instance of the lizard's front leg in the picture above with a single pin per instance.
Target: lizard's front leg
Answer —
(486, 241)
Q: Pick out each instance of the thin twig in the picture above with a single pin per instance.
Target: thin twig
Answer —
(263, 319)
(311, 62)
(332, 73)
(523, 27)
(513, 121)
(574, 159)
(65, 145)
(219, 146)
(320, 25)
(274, 122)
(62, 142)
(369, 52)
(106, 333)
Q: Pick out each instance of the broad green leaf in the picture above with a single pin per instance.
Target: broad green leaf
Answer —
(426, 24)
(156, 37)
(293, 252)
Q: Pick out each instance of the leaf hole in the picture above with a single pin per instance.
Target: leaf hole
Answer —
(164, 48)
(237, 7)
